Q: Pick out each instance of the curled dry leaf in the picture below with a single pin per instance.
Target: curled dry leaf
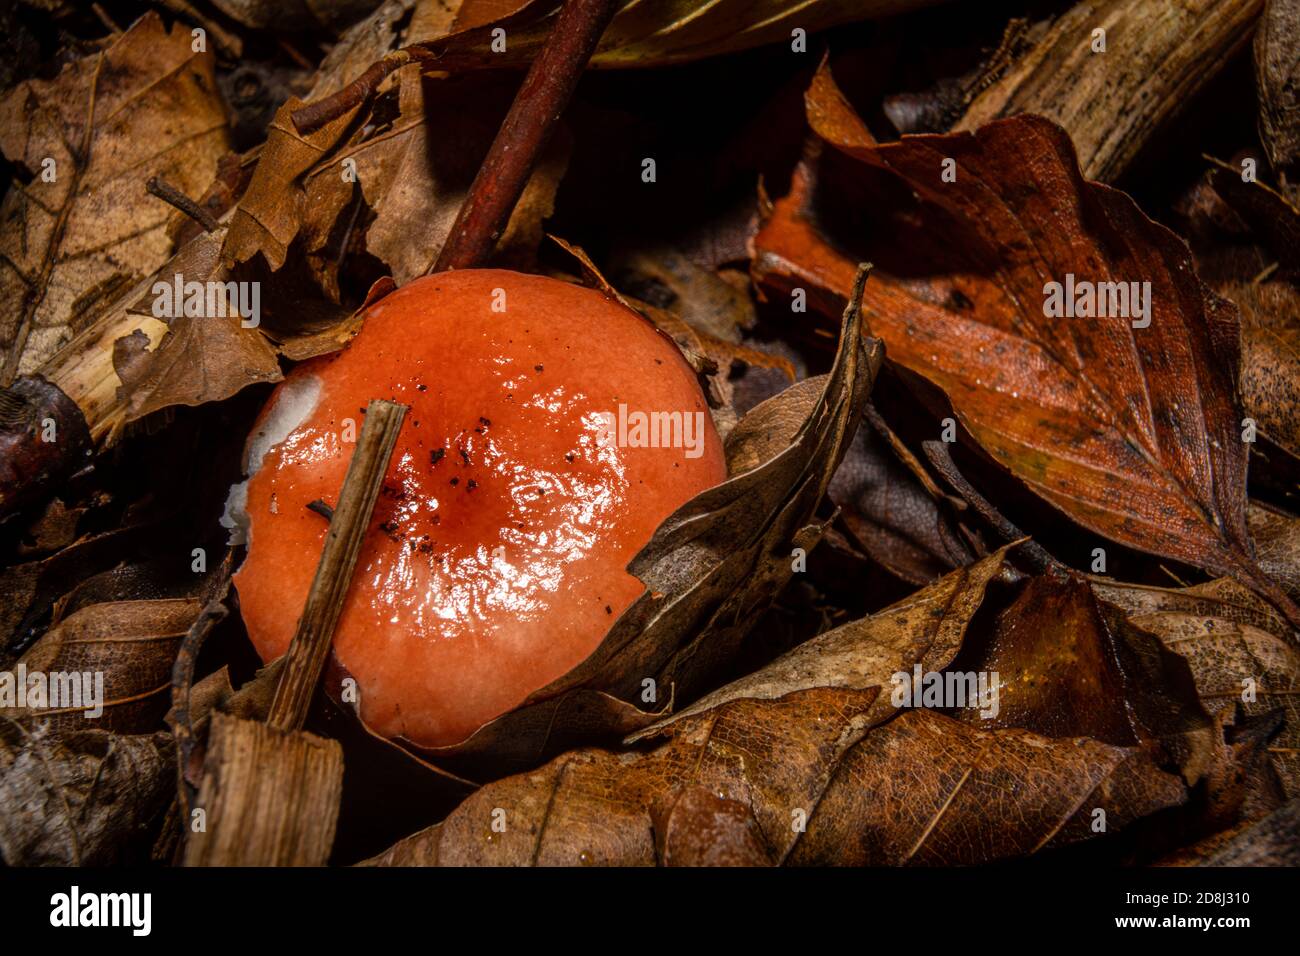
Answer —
(80, 227)
(270, 212)
(79, 798)
(1270, 358)
(664, 277)
(1240, 650)
(895, 511)
(1272, 216)
(1277, 80)
(1070, 665)
(28, 591)
(926, 628)
(1135, 433)
(128, 363)
(708, 570)
(809, 761)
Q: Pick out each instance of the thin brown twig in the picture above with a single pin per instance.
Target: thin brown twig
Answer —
(313, 116)
(1034, 553)
(157, 186)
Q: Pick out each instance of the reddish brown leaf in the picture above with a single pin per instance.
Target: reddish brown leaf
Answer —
(1135, 433)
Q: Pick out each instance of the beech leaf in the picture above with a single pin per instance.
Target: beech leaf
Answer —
(921, 789)
(79, 798)
(1240, 650)
(82, 228)
(1135, 433)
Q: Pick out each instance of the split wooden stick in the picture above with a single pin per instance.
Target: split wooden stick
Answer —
(270, 792)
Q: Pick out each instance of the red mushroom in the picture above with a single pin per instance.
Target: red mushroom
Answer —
(550, 431)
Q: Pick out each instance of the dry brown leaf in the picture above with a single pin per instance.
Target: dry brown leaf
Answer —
(28, 591)
(199, 358)
(1277, 80)
(79, 798)
(926, 628)
(147, 106)
(129, 645)
(797, 774)
(902, 521)
(1273, 841)
(1234, 643)
(270, 213)
(412, 173)
(1277, 545)
(1270, 358)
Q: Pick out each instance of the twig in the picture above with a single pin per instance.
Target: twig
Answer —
(524, 133)
(214, 611)
(313, 116)
(1033, 552)
(105, 19)
(157, 186)
(904, 454)
(230, 46)
(305, 659)
(321, 508)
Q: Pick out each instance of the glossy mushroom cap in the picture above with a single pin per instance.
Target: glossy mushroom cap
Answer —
(522, 484)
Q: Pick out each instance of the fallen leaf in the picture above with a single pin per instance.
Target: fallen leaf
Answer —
(663, 277)
(1133, 433)
(1240, 650)
(80, 798)
(120, 653)
(907, 526)
(80, 227)
(28, 591)
(270, 213)
(1270, 358)
(926, 628)
(1277, 80)
(198, 359)
(1277, 545)
(1273, 841)
(926, 790)
(1271, 215)
(797, 782)
(400, 182)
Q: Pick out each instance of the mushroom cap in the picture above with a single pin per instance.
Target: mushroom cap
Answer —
(496, 558)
